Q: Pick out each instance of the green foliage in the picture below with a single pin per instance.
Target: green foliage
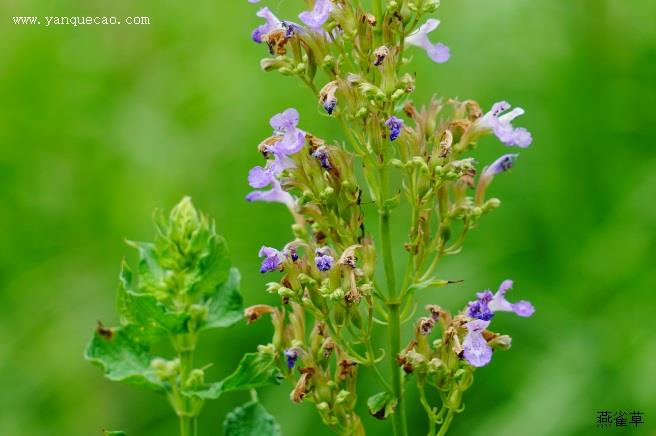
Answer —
(184, 284)
(254, 371)
(251, 419)
(122, 358)
(114, 433)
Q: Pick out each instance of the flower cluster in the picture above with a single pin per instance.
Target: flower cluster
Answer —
(355, 64)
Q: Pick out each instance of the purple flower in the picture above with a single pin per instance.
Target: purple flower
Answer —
(292, 356)
(259, 178)
(487, 304)
(272, 23)
(321, 154)
(504, 163)
(395, 125)
(480, 308)
(272, 259)
(437, 52)
(323, 259)
(319, 14)
(500, 304)
(285, 124)
(476, 350)
(502, 127)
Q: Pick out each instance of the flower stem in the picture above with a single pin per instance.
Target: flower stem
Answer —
(447, 422)
(394, 315)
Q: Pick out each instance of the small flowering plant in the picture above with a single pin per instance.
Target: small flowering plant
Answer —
(340, 284)
(184, 285)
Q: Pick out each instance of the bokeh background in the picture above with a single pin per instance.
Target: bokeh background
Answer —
(99, 125)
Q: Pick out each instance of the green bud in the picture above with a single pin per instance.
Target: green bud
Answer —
(284, 292)
(323, 406)
(397, 94)
(272, 287)
(491, 204)
(430, 6)
(196, 379)
(342, 396)
(328, 62)
(267, 349)
(299, 231)
(300, 67)
(165, 370)
(501, 342)
(327, 192)
(306, 280)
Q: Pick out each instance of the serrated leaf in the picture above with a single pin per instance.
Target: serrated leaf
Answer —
(382, 405)
(225, 306)
(255, 370)
(213, 268)
(151, 274)
(122, 358)
(251, 419)
(145, 310)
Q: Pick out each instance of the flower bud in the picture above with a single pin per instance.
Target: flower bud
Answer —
(165, 370)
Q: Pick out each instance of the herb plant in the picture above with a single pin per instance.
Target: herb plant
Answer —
(335, 298)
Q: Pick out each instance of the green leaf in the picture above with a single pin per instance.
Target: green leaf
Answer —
(431, 283)
(122, 358)
(213, 269)
(255, 370)
(145, 310)
(114, 433)
(225, 306)
(382, 405)
(251, 419)
(151, 274)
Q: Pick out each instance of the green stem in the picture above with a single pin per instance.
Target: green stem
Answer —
(447, 422)
(187, 407)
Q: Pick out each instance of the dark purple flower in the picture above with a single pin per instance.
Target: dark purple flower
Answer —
(321, 154)
(480, 308)
(319, 14)
(272, 23)
(500, 304)
(323, 259)
(395, 125)
(502, 127)
(272, 259)
(437, 52)
(290, 252)
(476, 350)
(292, 356)
(504, 163)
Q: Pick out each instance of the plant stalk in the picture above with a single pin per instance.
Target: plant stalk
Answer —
(394, 321)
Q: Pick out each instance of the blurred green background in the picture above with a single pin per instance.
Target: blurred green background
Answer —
(101, 124)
